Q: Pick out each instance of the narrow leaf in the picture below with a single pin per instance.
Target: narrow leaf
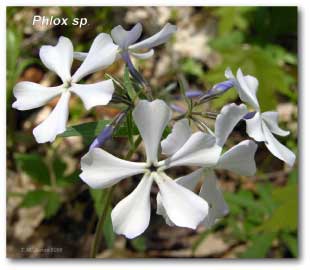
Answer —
(128, 85)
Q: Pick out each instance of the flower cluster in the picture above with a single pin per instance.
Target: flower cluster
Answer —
(177, 201)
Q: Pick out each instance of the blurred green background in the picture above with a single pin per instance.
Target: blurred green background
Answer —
(51, 213)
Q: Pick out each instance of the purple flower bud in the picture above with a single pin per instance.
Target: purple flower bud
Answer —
(104, 135)
(249, 115)
(177, 108)
(218, 89)
(223, 86)
(193, 93)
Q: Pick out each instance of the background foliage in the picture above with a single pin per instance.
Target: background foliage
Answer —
(47, 204)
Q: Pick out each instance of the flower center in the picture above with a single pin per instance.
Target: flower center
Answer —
(67, 85)
(152, 168)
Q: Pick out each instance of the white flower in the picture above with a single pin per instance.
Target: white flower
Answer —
(261, 126)
(131, 215)
(239, 159)
(59, 59)
(126, 41)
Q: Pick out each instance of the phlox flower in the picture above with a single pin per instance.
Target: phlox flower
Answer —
(131, 215)
(261, 126)
(127, 45)
(238, 159)
(59, 59)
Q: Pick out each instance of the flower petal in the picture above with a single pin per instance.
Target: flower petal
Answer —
(188, 181)
(278, 149)
(125, 38)
(55, 123)
(161, 211)
(95, 94)
(271, 120)
(102, 54)
(80, 56)
(184, 208)
(151, 119)
(100, 169)
(181, 132)
(131, 216)
(58, 58)
(31, 95)
(240, 159)
(230, 115)
(159, 38)
(144, 55)
(246, 87)
(191, 180)
(254, 128)
(212, 194)
(199, 150)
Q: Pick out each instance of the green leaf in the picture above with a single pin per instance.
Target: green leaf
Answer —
(130, 127)
(285, 216)
(280, 55)
(264, 192)
(259, 247)
(52, 204)
(13, 39)
(293, 177)
(34, 166)
(232, 17)
(98, 198)
(67, 180)
(128, 85)
(229, 40)
(291, 243)
(108, 232)
(139, 243)
(244, 199)
(33, 198)
(283, 194)
(48, 199)
(59, 167)
(92, 129)
(15, 65)
(192, 67)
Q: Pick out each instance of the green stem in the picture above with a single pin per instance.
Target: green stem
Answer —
(134, 147)
(108, 196)
(211, 115)
(50, 155)
(100, 222)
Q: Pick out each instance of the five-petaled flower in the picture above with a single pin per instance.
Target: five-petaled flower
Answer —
(125, 40)
(239, 159)
(132, 214)
(260, 126)
(59, 59)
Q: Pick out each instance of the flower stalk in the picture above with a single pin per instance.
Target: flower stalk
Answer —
(137, 75)
(97, 239)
